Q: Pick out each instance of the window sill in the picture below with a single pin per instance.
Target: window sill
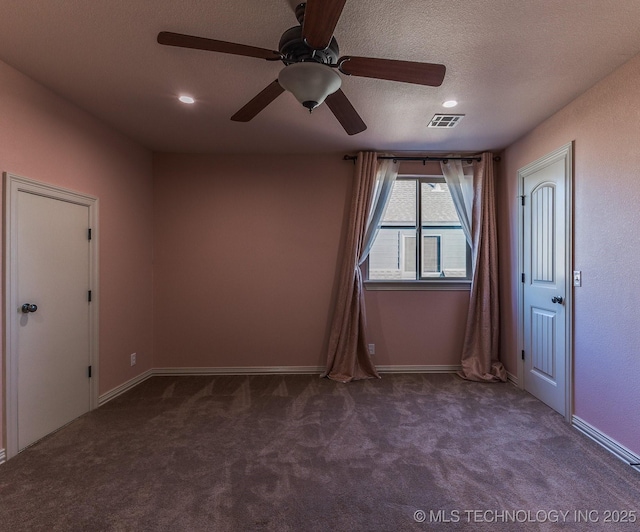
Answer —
(459, 285)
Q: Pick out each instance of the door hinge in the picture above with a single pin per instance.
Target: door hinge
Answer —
(89, 296)
(522, 200)
(89, 233)
(89, 372)
(522, 277)
(523, 354)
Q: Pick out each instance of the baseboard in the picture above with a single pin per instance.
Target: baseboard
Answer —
(124, 387)
(512, 379)
(257, 370)
(244, 370)
(3, 456)
(290, 370)
(608, 443)
(419, 369)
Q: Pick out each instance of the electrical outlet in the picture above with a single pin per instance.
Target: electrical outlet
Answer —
(133, 359)
(372, 349)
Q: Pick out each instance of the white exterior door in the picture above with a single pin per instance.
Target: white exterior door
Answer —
(546, 293)
(49, 316)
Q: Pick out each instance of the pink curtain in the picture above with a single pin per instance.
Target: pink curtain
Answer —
(481, 342)
(348, 356)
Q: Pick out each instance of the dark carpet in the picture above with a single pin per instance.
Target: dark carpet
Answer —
(299, 453)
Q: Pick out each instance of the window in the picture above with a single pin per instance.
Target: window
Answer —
(434, 249)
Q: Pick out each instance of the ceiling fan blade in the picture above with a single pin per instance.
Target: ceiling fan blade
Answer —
(257, 104)
(201, 43)
(320, 19)
(406, 71)
(345, 113)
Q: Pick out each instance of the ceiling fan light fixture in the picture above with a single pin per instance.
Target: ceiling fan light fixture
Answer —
(186, 99)
(309, 82)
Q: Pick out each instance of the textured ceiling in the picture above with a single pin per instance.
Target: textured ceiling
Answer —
(510, 64)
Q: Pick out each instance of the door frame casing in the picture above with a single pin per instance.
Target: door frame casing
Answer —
(565, 154)
(13, 185)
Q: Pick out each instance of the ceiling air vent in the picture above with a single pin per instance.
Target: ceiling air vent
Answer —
(445, 121)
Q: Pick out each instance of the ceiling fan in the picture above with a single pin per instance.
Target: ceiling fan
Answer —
(311, 57)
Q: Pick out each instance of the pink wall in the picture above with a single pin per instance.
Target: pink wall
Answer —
(416, 328)
(605, 125)
(246, 250)
(45, 138)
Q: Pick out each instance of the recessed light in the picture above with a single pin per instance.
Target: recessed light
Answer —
(186, 99)
(450, 103)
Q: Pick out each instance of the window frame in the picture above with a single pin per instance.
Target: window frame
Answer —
(421, 282)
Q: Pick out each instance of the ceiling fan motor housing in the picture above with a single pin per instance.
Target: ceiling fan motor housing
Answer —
(295, 50)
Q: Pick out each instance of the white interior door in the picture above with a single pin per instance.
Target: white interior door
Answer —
(546, 292)
(49, 316)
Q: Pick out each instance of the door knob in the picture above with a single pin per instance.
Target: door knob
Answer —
(557, 299)
(29, 307)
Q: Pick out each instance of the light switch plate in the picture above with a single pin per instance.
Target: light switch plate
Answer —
(577, 278)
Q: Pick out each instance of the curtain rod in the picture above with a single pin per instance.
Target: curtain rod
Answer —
(471, 158)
